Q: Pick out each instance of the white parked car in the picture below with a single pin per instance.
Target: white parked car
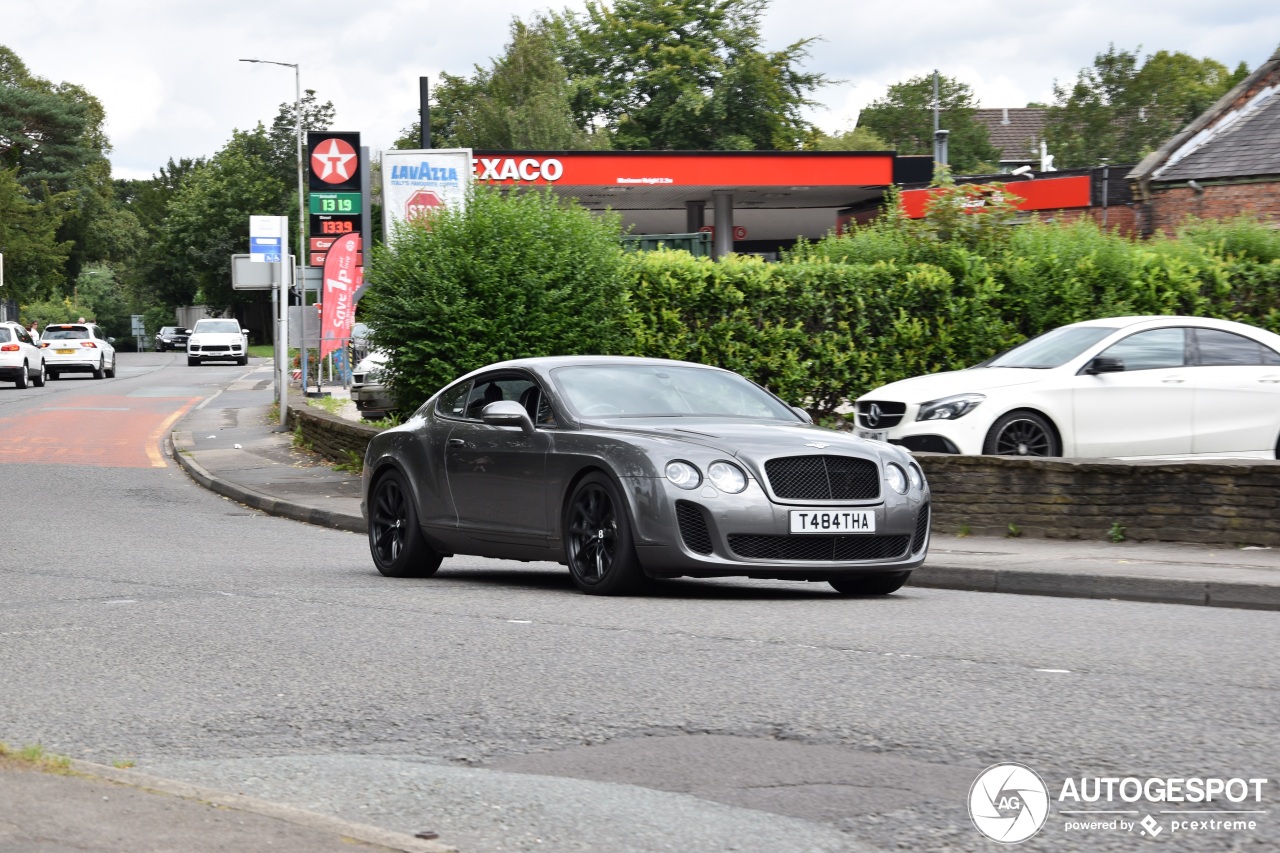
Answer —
(1127, 387)
(217, 339)
(370, 395)
(21, 360)
(77, 348)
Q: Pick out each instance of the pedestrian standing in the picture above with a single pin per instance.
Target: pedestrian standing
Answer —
(34, 331)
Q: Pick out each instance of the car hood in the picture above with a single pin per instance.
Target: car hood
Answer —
(920, 389)
(752, 439)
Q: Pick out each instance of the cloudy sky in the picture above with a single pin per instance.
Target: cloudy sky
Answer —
(168, 74)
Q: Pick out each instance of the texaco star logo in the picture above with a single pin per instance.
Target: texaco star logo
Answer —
(331, 161)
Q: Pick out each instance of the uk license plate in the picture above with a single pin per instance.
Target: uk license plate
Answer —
(831, 521)
(873, 434)
(66, 352)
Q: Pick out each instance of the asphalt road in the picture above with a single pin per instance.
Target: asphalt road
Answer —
(145, 619)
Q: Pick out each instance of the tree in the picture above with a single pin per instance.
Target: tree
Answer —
(854, 139)
(33, 254)
(686, 74)
(283, 134)
(1121, 108)
(522, 101)
(208, 218)
(904, 118)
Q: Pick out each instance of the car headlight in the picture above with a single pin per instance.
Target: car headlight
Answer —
(727, 477)
(949, 408)
(916, 476)
(896, 478)
(683, 474)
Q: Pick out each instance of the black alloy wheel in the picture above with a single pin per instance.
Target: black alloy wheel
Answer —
(395, 540)
(597, 540)
(881, 583)
(1022, 434)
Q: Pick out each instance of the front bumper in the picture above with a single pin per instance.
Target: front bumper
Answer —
(213, 352)
(707, 533)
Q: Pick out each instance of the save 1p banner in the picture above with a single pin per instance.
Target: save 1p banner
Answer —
(342, 277)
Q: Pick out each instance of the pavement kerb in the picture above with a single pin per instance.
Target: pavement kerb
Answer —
(180, 443)
(239, 802)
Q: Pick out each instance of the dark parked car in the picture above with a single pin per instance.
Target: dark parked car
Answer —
(625, 469)
(171, 337)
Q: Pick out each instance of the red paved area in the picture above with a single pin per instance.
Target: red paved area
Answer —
(103, 431)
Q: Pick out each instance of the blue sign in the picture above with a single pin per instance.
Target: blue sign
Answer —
(264, 249)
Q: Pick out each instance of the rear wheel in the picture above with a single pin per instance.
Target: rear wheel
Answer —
(395, 540)
(21, 380)
(877, 584)
(99, 372)
(597, 540)
(1022, 434)
(111, 371)
(39, 379)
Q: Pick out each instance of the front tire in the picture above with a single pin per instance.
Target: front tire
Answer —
(883, 583)
(21, 380)
(597, 540)
(242, 360)
(39, 379)
(192, 362)
(395, 540)
(1022, 434)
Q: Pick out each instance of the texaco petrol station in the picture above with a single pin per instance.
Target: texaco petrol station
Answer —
(752, 201)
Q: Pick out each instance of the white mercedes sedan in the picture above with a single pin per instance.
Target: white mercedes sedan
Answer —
(1123, 387)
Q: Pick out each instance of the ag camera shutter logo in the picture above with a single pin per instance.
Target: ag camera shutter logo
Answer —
(1008, 802)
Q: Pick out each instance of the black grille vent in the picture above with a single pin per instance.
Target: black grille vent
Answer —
(824, 478)
(693, 528)
(922, 530)
(886, 414)
(816, 548)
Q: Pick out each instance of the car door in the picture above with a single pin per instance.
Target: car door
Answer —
(497, 474)
(1237, 394)
(1143, 410)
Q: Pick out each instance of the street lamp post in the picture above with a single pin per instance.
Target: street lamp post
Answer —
(302, 235)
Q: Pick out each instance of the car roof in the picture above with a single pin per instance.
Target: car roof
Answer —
(544, 364)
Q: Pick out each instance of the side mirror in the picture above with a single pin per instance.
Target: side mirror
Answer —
(808, 418)
(507, 413)
(110, 340)
(1103, 364)
(187, 332)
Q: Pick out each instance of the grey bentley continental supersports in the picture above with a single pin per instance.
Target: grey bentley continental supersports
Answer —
(626, 469)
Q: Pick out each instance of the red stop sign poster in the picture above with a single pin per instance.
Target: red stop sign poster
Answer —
(342, 277)
(420, 203)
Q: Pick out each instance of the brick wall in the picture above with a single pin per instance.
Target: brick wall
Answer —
(329, 435)
(1170, 205)
(1229, 503)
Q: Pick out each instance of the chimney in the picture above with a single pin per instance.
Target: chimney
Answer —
(1005, 120)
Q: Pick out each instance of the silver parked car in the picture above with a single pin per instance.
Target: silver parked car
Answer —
(626, 469)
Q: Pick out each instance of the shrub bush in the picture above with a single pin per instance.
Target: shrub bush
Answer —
(510, 276)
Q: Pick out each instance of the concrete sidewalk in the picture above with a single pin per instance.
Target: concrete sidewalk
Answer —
(92, 808)
(231, 447)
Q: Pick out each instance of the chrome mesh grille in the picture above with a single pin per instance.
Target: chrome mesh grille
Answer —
(693, 528)
(818, 548)
(823, 478)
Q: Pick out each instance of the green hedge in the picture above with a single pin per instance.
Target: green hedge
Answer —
(525, 275)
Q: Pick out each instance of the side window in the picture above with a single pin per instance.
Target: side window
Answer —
(452, 403)
(1150, 350)
(1218, 348)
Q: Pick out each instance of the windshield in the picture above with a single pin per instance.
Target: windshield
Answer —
(658, 391)
(61, 333)
(207, 327)
(1052, 349)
